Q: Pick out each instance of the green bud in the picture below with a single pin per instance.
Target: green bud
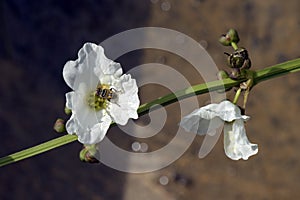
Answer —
(233, 35)
(224, 40)
(230, 37)
(87, 154)
(68, 111)
(59, 126)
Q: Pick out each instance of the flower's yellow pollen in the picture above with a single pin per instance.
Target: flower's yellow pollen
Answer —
(97, 102)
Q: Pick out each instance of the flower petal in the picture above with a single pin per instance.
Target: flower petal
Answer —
(69, 99)
(226, 110)
(236, 143)
(104, 66)
(127, 102)
(69, 73)
(90, 57)
(96, 133)
(199, 122)
(72, 125)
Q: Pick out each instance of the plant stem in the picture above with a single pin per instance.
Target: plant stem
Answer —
(237, 95)
(38, 149)
(258, 76)
(234, 46)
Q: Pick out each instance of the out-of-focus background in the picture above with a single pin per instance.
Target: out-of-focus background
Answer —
(38, 37)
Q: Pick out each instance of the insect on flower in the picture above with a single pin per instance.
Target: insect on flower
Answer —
(105, 92)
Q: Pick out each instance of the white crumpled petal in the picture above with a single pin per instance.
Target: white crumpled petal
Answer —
(91, 135)
(127, 102)
(91, 63)
(97, 132)
(225, 110)
(207, 119)
(236, 143)
(196, 123)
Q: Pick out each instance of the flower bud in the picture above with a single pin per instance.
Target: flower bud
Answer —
(224, 40)
(87, 154)
(68, 111)
(230, 37)
(233, 35)
(59, 126)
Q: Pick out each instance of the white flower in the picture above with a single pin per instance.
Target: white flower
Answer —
(207, 119)
(101, 94)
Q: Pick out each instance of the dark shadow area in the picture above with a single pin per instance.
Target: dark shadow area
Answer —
(36, 40)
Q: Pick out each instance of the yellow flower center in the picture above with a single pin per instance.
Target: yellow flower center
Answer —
(99, 99)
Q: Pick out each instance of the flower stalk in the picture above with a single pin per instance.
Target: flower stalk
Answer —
(258, 77)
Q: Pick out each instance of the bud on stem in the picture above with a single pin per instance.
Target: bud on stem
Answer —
(87, 154)
(59, 126)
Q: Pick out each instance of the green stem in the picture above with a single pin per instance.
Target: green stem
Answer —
(237, 95)
(258, 76)
(41, 148)
(234, 46)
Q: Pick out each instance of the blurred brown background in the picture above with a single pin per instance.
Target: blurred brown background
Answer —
(37, 38)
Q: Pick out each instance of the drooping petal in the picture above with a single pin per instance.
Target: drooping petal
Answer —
(226, 110)
(201, 122)
(236, 143)
(208, 118)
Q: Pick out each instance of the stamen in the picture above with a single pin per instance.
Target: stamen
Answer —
(95, 102)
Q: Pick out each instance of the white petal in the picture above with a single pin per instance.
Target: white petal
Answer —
(69, 99)
(96, 133)
(226, 110)
(72, 69)
(197, 123)
(88, 135)
(86, 116)
(104, 66)
(236, 143)
(127, 102)
(72, 125)
(69, 73)
(208, 118)
(130, 95)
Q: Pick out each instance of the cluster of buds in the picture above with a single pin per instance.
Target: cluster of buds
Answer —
(238, 60)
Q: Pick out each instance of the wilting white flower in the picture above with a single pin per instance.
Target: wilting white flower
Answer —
(101, 94)
(207, 119)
